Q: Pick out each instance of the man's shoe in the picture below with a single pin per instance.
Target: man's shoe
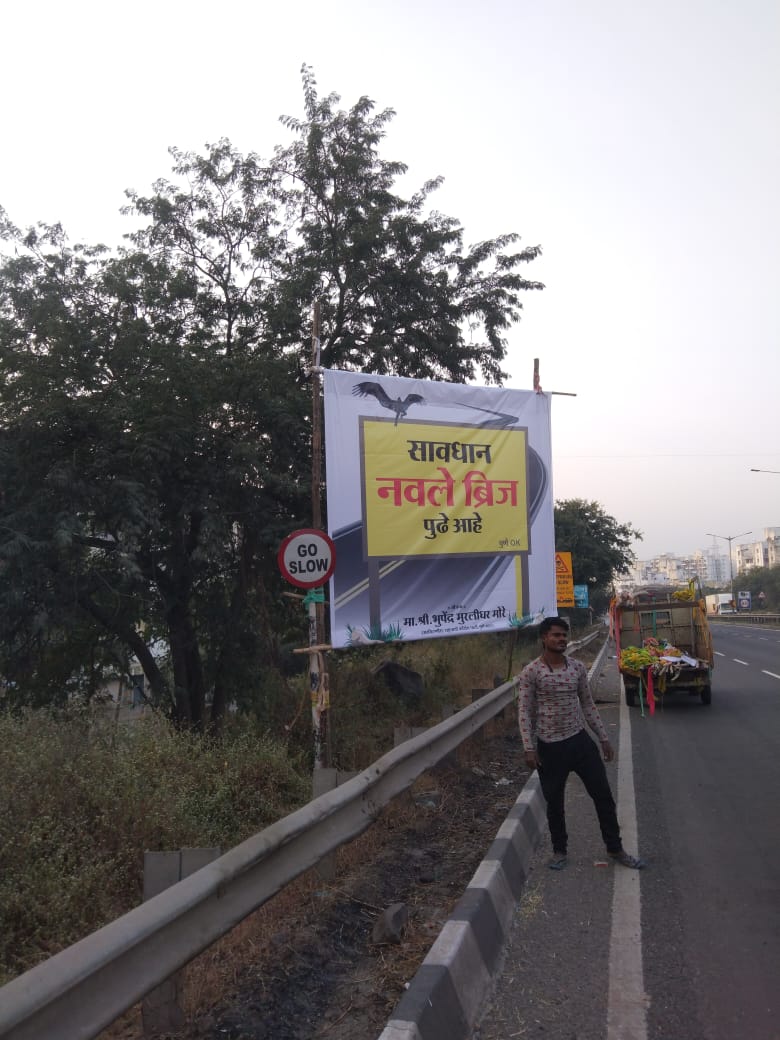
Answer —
(625, 859)
(558, 862)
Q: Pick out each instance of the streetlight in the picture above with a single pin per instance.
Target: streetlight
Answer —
(730, 538)
(753, 470)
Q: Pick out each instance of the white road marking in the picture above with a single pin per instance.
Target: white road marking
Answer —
(627, 1002)
(773, 674)
(736, 660)
(719, 654)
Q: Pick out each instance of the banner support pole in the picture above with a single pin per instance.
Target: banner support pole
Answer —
(318, 678)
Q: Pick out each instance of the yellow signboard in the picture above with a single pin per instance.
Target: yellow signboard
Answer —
(564, 579)
(438, 489)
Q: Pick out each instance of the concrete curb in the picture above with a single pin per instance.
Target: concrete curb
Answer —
(445, 996)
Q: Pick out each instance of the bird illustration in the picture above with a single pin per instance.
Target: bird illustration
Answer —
(369, 389)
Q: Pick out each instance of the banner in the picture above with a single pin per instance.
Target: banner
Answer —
(440, 505)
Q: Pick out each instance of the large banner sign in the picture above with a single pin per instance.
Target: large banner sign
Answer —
(440, 506)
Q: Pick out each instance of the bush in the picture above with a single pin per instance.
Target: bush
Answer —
(81, 798)
(80, 801)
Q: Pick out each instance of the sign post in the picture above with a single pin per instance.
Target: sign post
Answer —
(307, 558)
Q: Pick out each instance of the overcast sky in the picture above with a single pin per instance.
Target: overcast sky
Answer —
(638, 144)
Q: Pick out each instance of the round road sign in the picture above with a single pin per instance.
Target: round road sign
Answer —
(307, 557)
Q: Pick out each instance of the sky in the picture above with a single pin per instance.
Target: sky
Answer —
(637, 144)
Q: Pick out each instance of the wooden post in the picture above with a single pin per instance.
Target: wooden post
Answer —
(316, 441)
(161, 1012)
(318, 678)
(324, 780)
(318, 684)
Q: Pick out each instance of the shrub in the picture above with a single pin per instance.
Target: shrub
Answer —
(81, 800)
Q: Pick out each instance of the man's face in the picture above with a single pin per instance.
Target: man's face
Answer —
(556, 639)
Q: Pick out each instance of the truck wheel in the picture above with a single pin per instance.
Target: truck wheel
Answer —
(630, 695)
(706, 694)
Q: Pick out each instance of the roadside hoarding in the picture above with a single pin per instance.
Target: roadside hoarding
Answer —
(440, 506)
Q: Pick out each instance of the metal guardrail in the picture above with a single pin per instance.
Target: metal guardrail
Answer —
(78, 992)
(753, 619)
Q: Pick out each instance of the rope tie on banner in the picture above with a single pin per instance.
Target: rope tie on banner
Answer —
(616, 632)
(320, 690)
(642, 694)
(314, 596)
(650, 691)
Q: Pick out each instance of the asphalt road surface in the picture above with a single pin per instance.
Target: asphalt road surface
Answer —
(707, 814)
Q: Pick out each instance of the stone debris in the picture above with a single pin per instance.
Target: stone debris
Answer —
(391, 923)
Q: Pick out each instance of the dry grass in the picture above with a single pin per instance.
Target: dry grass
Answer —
(81, 802)
(254, 944)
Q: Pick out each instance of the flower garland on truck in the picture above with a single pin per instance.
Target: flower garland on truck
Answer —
(656, 663)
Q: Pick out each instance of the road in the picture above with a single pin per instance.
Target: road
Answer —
(707, 816)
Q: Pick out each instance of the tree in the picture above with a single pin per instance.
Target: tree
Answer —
(600, 546)
(151, 467)
(155, 401)
(400, 294)
(757, 580)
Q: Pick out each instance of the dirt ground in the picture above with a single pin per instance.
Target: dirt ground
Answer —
(308, 968)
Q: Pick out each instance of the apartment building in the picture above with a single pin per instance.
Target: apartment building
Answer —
(708, 565)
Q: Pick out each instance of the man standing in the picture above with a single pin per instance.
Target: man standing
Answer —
(554, 704)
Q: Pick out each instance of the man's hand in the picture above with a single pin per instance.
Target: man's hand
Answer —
(607, 751)
(532, 760)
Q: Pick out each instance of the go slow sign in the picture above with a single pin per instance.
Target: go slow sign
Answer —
(307, 557)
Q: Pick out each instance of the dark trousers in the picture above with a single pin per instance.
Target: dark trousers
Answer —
(578, 754)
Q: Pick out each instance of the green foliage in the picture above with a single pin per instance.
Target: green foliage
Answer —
(761, 579)
(400, 293)
(81, 800)
(600, 546)
(155, 403)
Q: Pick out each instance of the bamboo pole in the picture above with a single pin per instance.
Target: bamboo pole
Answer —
(318, 678)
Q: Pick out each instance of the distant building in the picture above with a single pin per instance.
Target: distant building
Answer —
(750, 555)
(772, 539)
(710, 566)
(717, 566)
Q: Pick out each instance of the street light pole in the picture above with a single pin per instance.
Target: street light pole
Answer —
(753, 470)
(730, 538)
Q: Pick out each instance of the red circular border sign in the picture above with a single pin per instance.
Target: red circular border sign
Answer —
(317, 575)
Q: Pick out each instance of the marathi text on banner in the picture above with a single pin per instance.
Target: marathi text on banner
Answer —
(434, 489)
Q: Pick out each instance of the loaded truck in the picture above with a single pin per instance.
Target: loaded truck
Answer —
(720, 603)
(664, 644)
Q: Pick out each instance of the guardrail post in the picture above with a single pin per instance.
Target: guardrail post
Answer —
(161, 1012)
(403, 733)
(477, 694)
(322, 780)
